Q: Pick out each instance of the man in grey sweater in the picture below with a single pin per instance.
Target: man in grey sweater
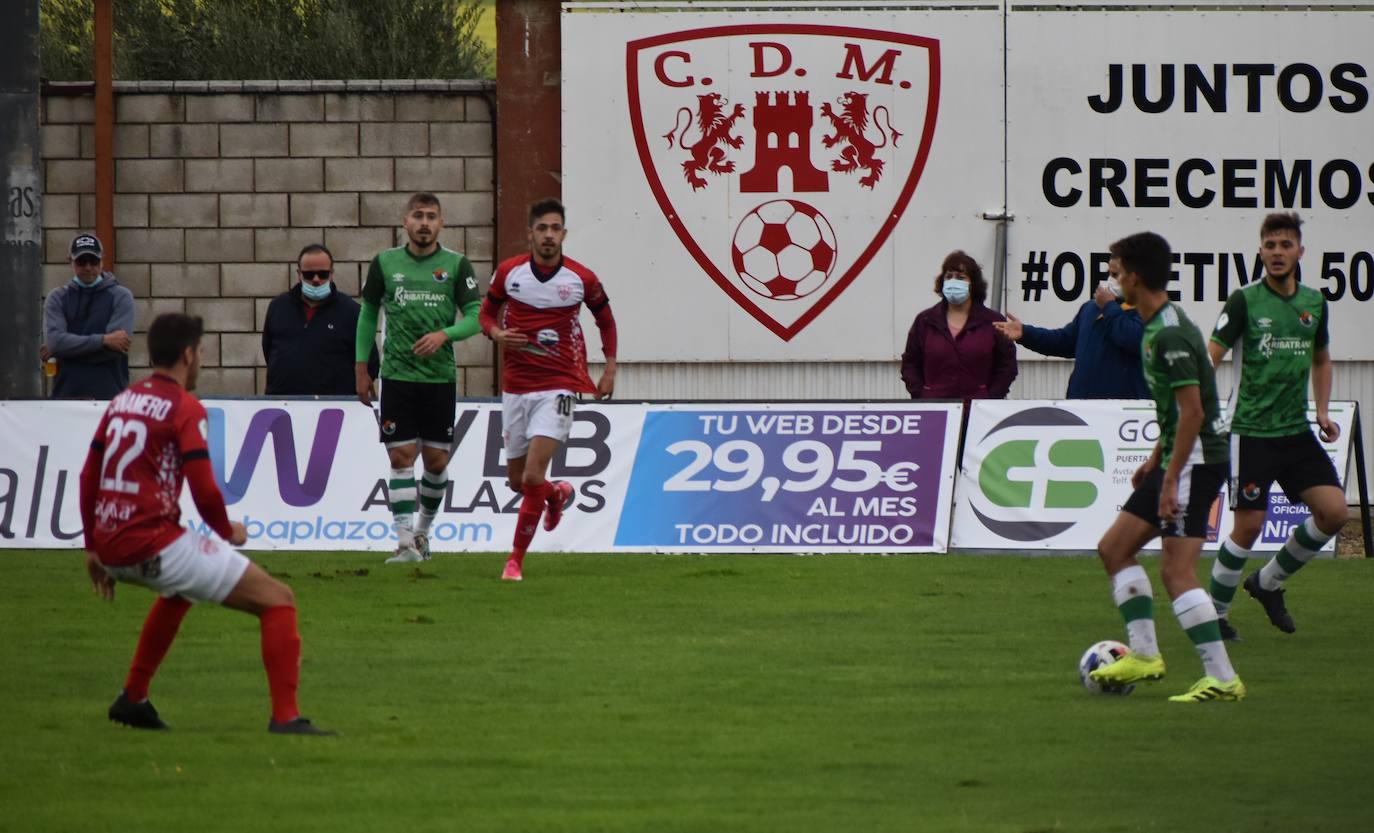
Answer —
(87, 324)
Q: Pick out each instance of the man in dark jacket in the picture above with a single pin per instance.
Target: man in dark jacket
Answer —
(86, 327)
(1103, 340)
(308, 335)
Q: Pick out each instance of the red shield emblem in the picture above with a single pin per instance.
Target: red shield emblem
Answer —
(783, 155)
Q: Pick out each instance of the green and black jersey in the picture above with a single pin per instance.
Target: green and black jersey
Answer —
(1278, 337)
(419, 295)
(1175, 356)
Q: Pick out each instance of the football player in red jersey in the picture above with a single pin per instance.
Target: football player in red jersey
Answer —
(151, 438)
(532, 311)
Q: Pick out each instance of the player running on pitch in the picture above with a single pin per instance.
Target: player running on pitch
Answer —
(1174, 489)
(532, 311)
(151, 437)
(431, 299)
(1280, 330)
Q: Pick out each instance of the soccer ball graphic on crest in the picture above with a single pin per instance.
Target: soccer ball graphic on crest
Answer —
(1102, 653)
(783, 250)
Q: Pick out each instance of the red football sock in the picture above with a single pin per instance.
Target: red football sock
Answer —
(281, 656)
(159, 629)
(531, 508)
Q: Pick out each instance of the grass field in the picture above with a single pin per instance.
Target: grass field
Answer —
(677, 693)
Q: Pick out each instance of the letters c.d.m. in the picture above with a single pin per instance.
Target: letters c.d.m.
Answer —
(294, 489)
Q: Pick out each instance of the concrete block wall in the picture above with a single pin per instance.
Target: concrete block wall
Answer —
(219, 184)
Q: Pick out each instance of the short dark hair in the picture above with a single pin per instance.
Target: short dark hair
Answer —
(311, 249)
(1282, 221)
(1146, 255)
(548, 205)
(420, 198)
(960, 261)
(169, 336)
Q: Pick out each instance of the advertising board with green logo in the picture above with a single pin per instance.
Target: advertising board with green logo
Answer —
(1053, 475)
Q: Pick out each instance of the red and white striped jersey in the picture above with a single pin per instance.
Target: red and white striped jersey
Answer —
(544, 305)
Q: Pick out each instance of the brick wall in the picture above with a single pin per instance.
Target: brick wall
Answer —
(219, 184)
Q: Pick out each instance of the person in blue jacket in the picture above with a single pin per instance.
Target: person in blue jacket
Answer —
(87, 327)
(1103, 340)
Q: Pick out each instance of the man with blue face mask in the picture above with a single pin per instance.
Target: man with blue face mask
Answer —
(86, 327)
(1103, 339)
(309, 333)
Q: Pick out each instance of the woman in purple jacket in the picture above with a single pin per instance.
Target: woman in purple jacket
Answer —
(952, 350)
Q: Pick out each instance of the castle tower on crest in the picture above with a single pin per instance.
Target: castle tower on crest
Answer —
(782, 139)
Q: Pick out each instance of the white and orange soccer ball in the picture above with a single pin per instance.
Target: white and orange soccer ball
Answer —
(1102, 653)
(784, 250)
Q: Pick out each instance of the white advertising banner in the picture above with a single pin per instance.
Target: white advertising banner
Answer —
(1194, 125)
(793, 185)
(306, 475)
(1053, 475)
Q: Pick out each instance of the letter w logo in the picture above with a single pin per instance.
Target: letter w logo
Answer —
(276, 423)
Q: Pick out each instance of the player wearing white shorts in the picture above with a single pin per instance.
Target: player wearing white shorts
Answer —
(532, 311)
(151, 440)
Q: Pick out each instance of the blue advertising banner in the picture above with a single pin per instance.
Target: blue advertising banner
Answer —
(789, 477)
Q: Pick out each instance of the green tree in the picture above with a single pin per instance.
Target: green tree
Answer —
(189, 40)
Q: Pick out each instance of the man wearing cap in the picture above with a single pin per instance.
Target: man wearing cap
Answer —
(308, 335)
(86, 327)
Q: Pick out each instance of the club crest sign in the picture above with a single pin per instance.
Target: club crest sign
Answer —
(783, 155)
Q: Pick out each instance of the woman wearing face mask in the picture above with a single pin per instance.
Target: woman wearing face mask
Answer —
(952, 350)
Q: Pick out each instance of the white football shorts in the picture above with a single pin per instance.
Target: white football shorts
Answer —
(545, 413)
(195, 566)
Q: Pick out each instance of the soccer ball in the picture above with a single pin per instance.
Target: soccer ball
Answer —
(1103, 653)
(783, 250)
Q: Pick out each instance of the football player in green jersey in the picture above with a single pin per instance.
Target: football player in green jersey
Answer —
(1280, 332)
(1174, 489)
(431, 300)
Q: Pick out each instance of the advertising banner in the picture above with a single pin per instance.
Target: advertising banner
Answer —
(311, 475)
(797, 184)
(789, 478)
(1195, 125)
(1053, 475)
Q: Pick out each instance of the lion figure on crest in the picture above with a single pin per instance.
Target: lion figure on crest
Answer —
(715, 127)
(850, 125)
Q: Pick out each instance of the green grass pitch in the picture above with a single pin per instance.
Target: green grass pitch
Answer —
(682, 693)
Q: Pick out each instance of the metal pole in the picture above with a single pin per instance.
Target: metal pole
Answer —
(1362, 483)
(997, 295)
(21, 229)
(104, 129)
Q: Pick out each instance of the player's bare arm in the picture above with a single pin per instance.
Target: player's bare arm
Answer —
(1188, 399)
(605, 387)
(1150, 464)
(1321, 392)
(605, 323)
(1216, 352)
(101, 582)
(362, 383)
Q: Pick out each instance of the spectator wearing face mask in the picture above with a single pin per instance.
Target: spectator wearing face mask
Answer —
(309, 333)
(953, 350)
(87, 325)
(1103, 339)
